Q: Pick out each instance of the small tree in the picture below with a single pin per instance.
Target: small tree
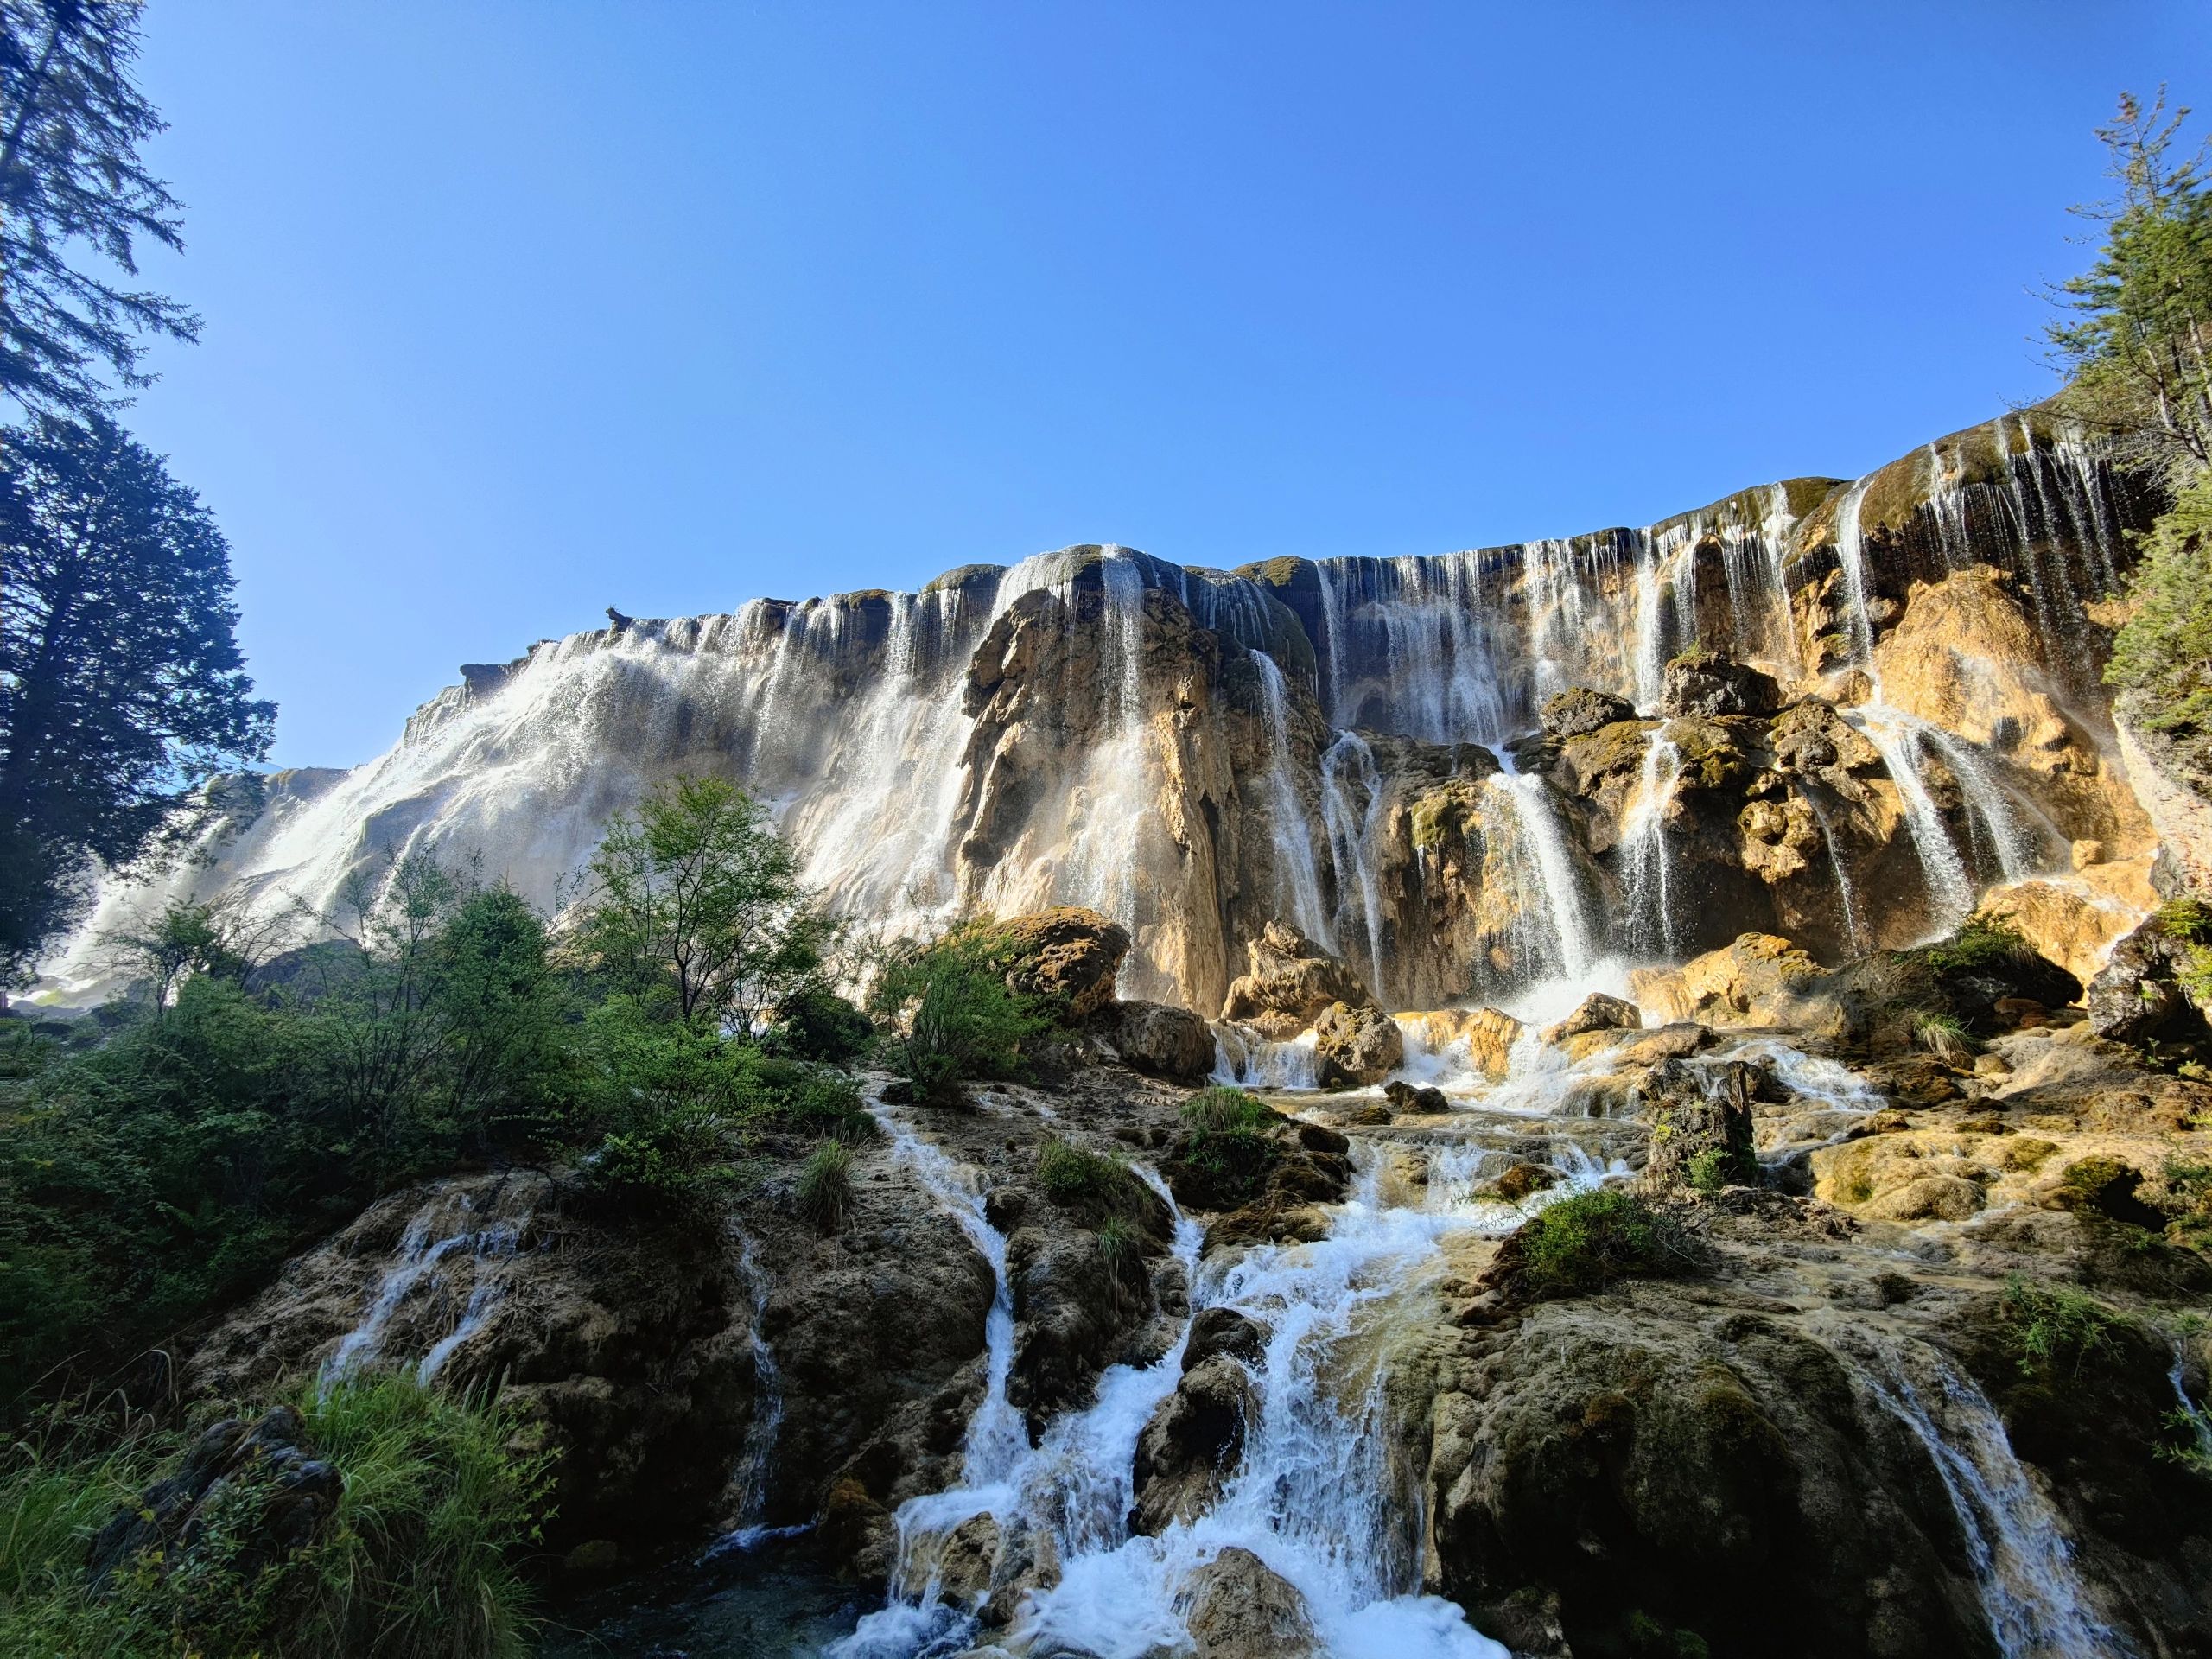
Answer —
(694, 899)
(221, 937)
(957, 1021)
(2136, 350)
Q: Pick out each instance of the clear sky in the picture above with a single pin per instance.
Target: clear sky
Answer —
(515, 311)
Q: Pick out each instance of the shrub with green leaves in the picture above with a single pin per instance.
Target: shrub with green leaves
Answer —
(1587, 1241)
(1226, 1134)
(958, 1022)
(1093, 1182)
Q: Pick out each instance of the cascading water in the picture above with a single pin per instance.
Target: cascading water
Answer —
(1643, 846)
(1351, 835)
(1563, 947)
(1293, 832)
(417, 1270)
(2022, 1563)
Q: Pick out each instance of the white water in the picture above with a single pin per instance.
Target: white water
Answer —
(1643, 846)
(416, 1268)
(2023, 1566)
(1294, 831)
(1561, 902)
(1351, 838)
(756, 1462)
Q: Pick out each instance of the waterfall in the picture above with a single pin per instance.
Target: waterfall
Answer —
(755, 1463)
(2023, 1566)
(416, 1268)
(1567, 943)
(1951, 890)
(1643, 845)
(1851, 556)
(1352, 833)
(1293, 833)
(1245, 1059)
(1855, 935)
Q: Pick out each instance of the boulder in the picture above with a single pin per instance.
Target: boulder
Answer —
(1700, 1116)
(1706, 685)
(1289, 981)
(1192, 1444)
(1224, 1330)
(1354, 1046)
(272, 1494)
(1579, 712)
(1166, 1042)
(1758, 979)
(1067, 955)
(1597, 1012)
(1489, 1034)
(1415, 1097)
(1238, 1607)
(1517, 1182)
(2139, 995)
(1812, 739)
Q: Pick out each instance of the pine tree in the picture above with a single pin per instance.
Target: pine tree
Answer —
(72, 183)
(122, 687)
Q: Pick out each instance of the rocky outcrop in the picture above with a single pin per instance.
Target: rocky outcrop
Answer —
(1700, 1113)
(245, 1498)
(1288, 982)
(1759, 979)
(1705, 683)
(1581, 711)
(1596, 1012)
(1192, 1444)
(1166, 1042)
(1354, 1046)
(1066, 956)
(1238, 1607)
(2143, 993)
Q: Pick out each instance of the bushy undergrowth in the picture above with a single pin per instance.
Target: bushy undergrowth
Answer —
(2057, 1331)
(1098, 1184)
(1983, 945)
(957, 1021)
(1585, 1242)
(1226, 1136)
(419, 1563)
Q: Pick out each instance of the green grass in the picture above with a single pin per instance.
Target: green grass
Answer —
(1585, 1242)
(2055, 1330)
(1079, 1179)
(1226, 1132)
(419, 1563)
(824, 1194)
(1982, 943)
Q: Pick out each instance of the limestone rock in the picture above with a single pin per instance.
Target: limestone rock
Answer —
(273, 1495)
(1759, 979)
(1192, 1444)
(1224, 1330)
(1067, 955)
(1711, 685)
(1288, 982)
(1581, 711)
(1354, 1046)
(1168, 1042)
(1238, 1607)
(1415, 1097)
(2139, 996)
(1489, 1034)
(1699, 1109)
(1597, 1012)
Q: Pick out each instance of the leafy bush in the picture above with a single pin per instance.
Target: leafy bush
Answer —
(1716, 1168)
(1079, 1179)
(2055, 1329)
(825, 1193)
(1226, 1133)
(419, 1563)
(1584, 1242)
(961, 1023)
(1983, 944)
(818, 1024)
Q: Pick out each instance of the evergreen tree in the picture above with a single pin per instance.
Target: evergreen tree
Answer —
(122, 687)
(71, 182)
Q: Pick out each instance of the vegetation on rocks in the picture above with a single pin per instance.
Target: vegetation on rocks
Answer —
(435, 1507)
(1590, 1241)
(1226, 1133)
(956, 1020)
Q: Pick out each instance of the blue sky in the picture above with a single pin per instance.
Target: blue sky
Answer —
(514, 311)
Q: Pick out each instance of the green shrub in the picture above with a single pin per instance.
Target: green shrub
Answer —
(819, 1025)
(1696, 654)
(419, 1563)
(1714, 1168)
(961, 1023)
(825, 1193)
(685, 1152)
(2055, 1329)
(1226, 1134)
(1584, 1242)
(1983, 944)
(1119, 1246)
(1079, 1179)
